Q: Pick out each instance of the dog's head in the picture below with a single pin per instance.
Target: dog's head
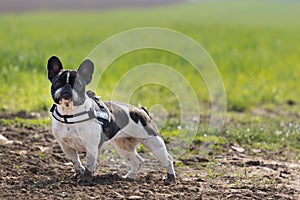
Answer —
(68, 86)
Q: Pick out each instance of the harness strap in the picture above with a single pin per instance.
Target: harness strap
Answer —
(101, 115)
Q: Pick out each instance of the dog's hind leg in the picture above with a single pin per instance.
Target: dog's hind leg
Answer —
(126, 148)
(158, 148)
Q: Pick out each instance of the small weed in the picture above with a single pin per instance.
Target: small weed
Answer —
(254, 176)
(179, 164)
(105, 171)
(42, 155)
(245, 170)
(210, 173)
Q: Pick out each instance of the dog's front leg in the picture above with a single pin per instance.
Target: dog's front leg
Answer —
(73, 156)
(91, 161)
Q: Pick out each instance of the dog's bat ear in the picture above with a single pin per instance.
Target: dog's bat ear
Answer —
(86, 70)
(54, 66)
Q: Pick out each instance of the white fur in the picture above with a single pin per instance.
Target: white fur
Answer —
(57, 93)
(68, 78)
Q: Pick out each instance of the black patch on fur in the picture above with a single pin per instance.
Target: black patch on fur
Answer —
(59, 81)
(118, 120)
(138, 115)
(142, 115)
(150, 131)
(134, 116)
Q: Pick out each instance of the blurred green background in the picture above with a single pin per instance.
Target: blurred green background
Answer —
(255, 44)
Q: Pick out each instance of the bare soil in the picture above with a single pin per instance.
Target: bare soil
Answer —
(33, 167)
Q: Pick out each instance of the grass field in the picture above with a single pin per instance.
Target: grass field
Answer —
(255, 44)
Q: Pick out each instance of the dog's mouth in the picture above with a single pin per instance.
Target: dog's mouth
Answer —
(66, 101)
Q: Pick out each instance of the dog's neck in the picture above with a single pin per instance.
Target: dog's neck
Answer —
(71, 110)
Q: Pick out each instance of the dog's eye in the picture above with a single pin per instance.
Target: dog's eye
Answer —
(57, 84)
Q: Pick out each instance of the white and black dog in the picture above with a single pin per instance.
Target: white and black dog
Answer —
(82, 123)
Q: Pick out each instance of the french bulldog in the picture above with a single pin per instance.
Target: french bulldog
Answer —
(82, 123)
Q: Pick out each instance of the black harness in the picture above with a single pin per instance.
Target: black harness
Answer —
(101, 114)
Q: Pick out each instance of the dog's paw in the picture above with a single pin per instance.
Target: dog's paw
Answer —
(86, 178)
(77, 176)
(169, 179)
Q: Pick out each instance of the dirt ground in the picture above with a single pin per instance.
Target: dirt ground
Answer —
(33, 167)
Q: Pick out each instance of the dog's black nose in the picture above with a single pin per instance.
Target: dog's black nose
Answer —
(66, 96)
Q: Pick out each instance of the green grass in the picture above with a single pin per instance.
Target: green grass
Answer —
(26, 123)
(255, 44)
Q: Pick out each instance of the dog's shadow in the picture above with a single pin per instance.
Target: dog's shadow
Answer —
(106, 179)
(110, 178)
(103, 179)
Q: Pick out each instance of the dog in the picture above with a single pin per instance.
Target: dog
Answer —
(81, 122)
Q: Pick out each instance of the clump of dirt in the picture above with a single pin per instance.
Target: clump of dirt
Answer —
(34, 167)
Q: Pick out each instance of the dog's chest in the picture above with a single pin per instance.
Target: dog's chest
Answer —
(70, 136)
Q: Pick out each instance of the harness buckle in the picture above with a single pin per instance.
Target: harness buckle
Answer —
(101, 114)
